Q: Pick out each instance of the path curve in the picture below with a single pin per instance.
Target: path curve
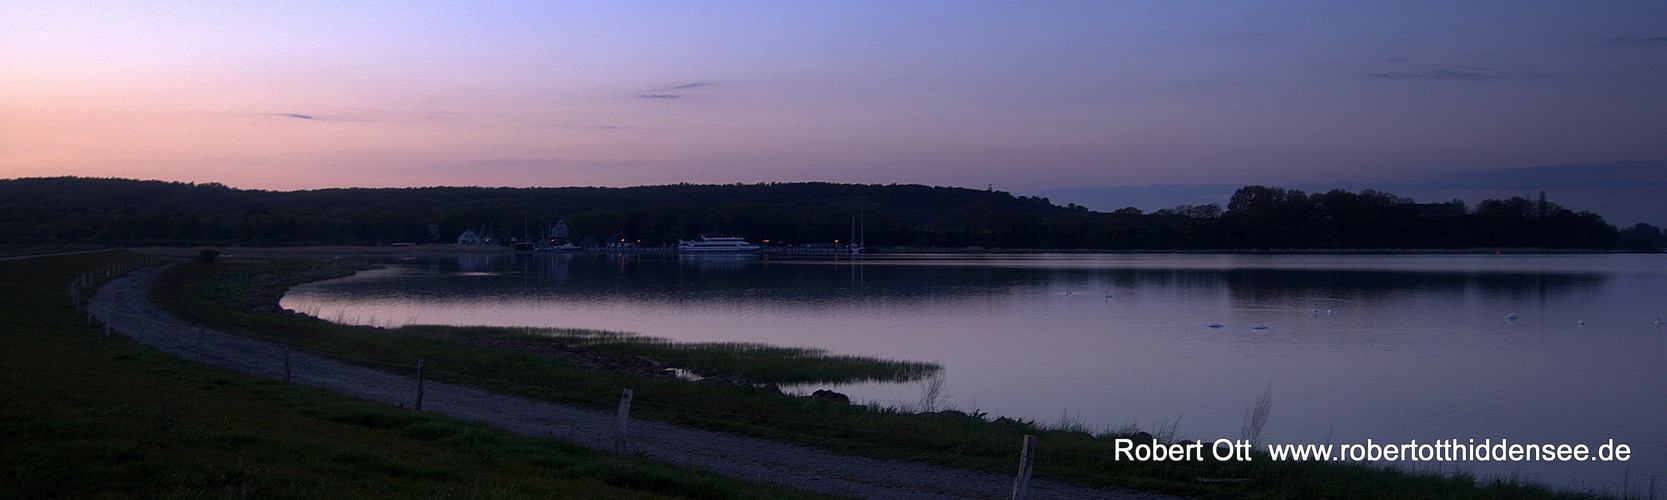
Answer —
(124, 305)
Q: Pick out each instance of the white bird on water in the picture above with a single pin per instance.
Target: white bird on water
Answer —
(1511, 316)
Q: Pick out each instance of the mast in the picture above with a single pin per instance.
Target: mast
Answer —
(852, 243)
(857, 246)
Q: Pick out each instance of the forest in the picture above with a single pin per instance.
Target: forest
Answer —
(141, 213)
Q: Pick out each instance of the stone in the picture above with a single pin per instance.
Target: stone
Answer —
(827, 395)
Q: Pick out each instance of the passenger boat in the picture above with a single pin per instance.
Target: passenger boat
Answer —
(716, 244)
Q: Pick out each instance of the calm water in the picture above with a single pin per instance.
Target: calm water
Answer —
(1389, 348)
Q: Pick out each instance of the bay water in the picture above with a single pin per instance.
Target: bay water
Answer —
(1530, 349)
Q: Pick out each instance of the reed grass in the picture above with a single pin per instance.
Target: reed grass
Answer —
(739, 361)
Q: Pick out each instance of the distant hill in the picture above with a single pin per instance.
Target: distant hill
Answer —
(76, 194)
(135, 212)
(124, 211)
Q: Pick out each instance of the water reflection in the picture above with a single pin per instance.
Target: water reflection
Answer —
(717, 263)
(475, 263)
(828, 283)
(1286, 286)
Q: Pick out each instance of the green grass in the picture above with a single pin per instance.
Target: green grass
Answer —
(82, 415)
(238, 296)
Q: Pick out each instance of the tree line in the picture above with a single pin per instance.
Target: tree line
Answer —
(132, 212)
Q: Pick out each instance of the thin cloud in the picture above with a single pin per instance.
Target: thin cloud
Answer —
(576, 126)
(369, 115)
(1441, 74)
(672, 91)
(1657, 40)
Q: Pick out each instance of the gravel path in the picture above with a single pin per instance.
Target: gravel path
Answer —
(123, 305)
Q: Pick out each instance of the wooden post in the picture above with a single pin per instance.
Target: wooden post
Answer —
(419, 405)
(1027, 462)
(286, 357)
(619, 430)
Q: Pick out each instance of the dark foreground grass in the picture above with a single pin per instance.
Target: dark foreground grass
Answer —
(82, 415)
(238, 297)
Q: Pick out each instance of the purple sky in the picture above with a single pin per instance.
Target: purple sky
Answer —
(1034, 98)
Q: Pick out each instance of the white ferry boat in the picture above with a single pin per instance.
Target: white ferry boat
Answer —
(713, 244)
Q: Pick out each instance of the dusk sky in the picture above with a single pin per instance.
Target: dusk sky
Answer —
(1090, 102)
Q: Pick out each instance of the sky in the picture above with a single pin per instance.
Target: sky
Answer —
(1102, 103)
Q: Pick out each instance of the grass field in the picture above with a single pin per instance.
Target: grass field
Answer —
(240, 297)
(85, 416)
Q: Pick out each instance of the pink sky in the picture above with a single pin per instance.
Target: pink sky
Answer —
(1029, 97)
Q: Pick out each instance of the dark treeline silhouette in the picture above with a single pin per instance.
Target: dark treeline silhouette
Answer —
(132, 212)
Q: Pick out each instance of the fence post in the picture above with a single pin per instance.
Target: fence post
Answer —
(419, 405)
(619, 430)
(1027, 461)
(286, 358)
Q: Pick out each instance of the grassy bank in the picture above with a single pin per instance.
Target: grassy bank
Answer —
(240, 296)
(82, 415)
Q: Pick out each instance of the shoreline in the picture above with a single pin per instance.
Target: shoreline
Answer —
(124, 305)
(999, 424)
(357, 251)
